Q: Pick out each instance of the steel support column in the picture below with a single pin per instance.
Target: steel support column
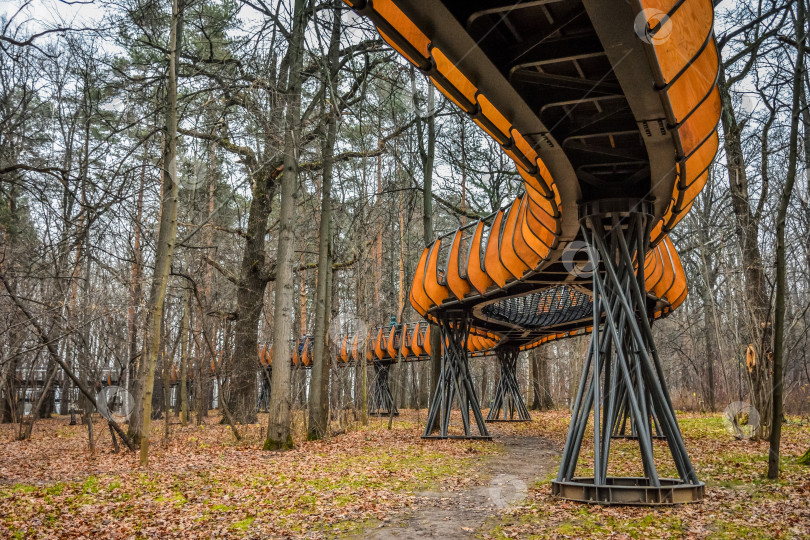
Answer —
(382, 402)
(622, 426)
(455, 383)
(622, 373)
(508, 400)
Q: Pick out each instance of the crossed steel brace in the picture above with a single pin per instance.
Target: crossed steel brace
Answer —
(382, 402)
(455, 383)
(623, 426)
(508, 400)
(622, 354)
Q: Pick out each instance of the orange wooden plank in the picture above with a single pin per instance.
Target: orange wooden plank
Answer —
(406, 345)
(389, 343)
(509, 257)
(418, 296)
(476, 274)
(530, 257)
(701, 123)
(344, 350)
(437, 292)
(492, 258)
(690, 88)
(450, 72)
(403, 25)
(457, 284)
(416, 341)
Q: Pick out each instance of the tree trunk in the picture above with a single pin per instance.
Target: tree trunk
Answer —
(249, 302)
(184, 350)
(710, 326)
(540, 381)
(319, 383)
(427, 152)
(135, 284)
(278, 427)
(167, 232)
(781, 263)
(755, 288)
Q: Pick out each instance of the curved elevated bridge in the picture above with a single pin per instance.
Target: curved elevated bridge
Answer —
(609, 110)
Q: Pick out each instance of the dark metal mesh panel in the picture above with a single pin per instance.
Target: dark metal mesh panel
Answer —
(556, 305)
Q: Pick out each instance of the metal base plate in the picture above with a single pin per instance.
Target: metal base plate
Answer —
(629, 491)
(635, 437)
(471, 437)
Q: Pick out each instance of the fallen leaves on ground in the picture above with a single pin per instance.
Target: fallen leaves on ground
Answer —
(740, 502)
(201, 483)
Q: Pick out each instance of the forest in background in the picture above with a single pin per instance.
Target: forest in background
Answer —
(304, 165)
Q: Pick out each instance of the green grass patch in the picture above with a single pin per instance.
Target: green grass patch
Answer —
(244, 524)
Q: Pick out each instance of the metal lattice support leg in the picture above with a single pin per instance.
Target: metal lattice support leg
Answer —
(382, 402)
(507, 394)
(622, 425)
(455, 383)
(622, 375)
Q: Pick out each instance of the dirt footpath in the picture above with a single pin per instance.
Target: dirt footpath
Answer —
(461, 514)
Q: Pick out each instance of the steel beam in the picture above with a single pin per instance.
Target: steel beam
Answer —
(508, 402)
(622, 381)
(455, 383)
(382, 402)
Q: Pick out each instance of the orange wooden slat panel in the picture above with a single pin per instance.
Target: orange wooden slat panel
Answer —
(668, 276)
(476, 274)
(306, 354)
(679, 287)
(406, 342)
(653, 273)
(701, 123)
(457, 79)
(492, 258)
(426, 341)
(682, 214)
(660, 5)
(457, 284)
(534, 182)
(356, 353)
(528, 255)
(390, 347)
(682, 36)
(536, 230)
(397, 48)
(701, 158)
(344, 349)
(500, 127)
(692, 191)
(403, 25)
(418, 296)
(509, 257)
(690, 88)
(437, 292)
(416, 342)
(379, 345)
